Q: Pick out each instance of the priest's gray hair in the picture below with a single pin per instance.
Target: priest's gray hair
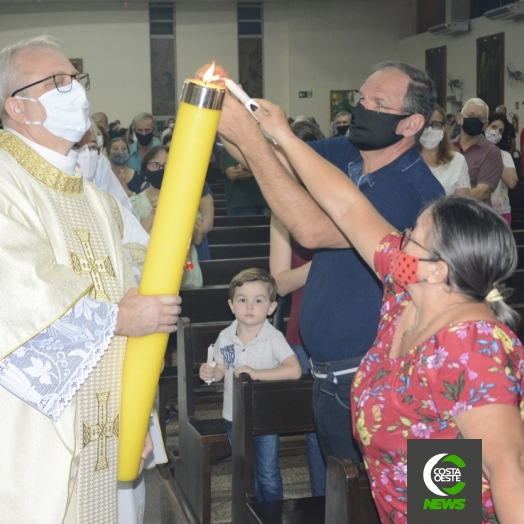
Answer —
(12, 75)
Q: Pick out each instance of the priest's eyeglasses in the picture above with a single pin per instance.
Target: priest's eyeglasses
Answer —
(63, 82)
(406, 237)
(356, 98)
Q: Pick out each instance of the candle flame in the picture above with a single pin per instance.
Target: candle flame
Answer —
(209, 76)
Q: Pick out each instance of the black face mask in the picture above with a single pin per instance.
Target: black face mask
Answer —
(370, 131)
(144, 140)
(155, 178)
(342, 130)
(472, 126)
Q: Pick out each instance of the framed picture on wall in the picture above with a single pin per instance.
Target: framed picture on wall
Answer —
(340, 101)
(490, 69)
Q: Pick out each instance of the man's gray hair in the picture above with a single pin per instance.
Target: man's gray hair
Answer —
(343, 113)
(140, 118)
(420, 97)
(12, 76)
(476, 102)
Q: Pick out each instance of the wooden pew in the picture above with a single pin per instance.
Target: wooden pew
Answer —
(239, 235)
(219, 272)
(243, 220)
(348, 493)
(217, 188)
(520, 253)
(519, 236)
(276, 406)
(239, 250)
(516, 281)
(206, 304)
(284, 407)
(202, 443)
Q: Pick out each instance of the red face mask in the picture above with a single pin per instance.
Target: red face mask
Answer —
(404, 268)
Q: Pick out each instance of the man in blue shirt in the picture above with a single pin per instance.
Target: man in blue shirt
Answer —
(143, 127)
(340, 308)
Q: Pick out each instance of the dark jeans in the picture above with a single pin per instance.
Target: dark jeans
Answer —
(315, 459)
(331, 409)
(268, 479)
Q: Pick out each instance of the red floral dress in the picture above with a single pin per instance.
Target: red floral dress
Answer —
(462, 366)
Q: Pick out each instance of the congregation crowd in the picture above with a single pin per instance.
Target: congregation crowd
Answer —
(392, 235)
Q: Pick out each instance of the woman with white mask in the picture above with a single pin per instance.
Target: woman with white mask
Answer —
(448, 166)
(88, 152)
(497, 123)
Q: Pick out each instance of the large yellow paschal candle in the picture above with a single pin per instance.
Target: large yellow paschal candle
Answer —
(185, 173)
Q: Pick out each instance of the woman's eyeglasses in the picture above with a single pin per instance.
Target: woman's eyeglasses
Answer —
(406, 237)
(155, 166)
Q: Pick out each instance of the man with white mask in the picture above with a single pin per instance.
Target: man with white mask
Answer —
(68, 303)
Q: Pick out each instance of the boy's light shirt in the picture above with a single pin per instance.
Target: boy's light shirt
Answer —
(267, 350)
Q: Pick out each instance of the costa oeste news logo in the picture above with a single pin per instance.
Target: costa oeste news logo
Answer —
(434, 476)
(444, 481)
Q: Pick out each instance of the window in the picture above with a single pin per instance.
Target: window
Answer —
(250, 48)
(162, 46)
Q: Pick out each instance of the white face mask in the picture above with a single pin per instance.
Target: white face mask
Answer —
(493, 135)
(431, 138)
(87, 160)
(67, 113)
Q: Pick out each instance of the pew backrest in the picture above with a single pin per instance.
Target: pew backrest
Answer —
(268, 407)
(221, 271)
(239, 235)
(257, 249)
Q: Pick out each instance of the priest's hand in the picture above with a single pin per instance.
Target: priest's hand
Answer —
(140, 315)
(148, 448)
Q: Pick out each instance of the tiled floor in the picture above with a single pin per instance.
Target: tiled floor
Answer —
(161, 504)
(162, 507)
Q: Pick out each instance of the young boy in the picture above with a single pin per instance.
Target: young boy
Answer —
(252, 345)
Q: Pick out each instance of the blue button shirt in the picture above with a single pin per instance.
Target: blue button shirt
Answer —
(134, 161)
(340, 309)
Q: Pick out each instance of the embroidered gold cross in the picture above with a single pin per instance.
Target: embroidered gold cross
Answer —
(96, 267)
(101, 431)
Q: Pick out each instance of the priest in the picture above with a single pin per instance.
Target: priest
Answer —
(68, 301)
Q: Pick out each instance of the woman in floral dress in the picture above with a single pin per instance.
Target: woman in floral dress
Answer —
(445, 363)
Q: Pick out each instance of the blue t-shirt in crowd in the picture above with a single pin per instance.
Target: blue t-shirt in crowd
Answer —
(340, 309)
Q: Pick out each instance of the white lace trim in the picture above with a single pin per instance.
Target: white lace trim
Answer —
(48, 370)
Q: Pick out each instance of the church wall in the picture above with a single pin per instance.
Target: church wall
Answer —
(307, 46)
(114, 46)
(334, 45)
